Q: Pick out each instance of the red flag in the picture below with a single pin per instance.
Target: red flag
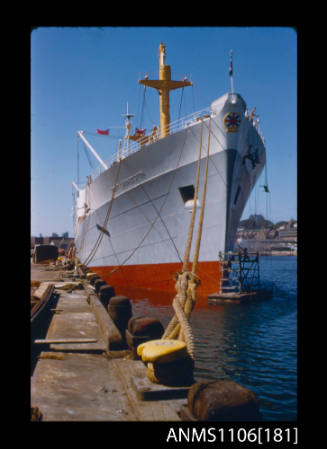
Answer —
(140, 131)
(106, 132)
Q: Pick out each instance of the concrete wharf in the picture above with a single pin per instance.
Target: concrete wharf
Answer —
(81, 375)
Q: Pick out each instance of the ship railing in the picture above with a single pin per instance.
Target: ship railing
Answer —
(131, 146)
(261, 134)
(172, 128)
(100, 169)
(255, 123)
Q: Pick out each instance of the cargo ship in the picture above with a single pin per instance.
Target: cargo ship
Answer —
(132, 219)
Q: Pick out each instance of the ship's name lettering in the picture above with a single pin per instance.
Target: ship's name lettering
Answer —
(132, 180)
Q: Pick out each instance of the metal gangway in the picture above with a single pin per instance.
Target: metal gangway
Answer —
(239, 272)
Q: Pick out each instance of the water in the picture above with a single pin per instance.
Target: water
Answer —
(253, 343)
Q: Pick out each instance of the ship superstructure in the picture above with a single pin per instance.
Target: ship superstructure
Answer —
(132, 219)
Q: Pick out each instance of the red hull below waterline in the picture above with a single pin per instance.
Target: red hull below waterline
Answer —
(156, 281)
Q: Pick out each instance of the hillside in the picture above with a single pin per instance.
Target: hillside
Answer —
(259, 222)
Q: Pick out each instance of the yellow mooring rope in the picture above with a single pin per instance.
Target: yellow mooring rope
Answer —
(187, 282)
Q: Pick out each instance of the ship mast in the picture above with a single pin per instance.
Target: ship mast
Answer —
(231, 71)
(128, 125)
(164, 85)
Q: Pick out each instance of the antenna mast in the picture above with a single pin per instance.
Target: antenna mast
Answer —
(164, 85)
(231, 71)
(128, 124)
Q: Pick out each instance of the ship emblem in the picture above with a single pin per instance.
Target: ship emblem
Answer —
(232, 121)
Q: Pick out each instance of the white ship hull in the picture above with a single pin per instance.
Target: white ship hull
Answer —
(150, 215)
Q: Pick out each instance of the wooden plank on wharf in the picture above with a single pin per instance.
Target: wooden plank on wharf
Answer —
(41, 274)
(79, 387)
(150, 409)
(91, 387)
(43, 291)
(68, 285)
(147, 390)
(65, 340)
(75, 322)
(40, 299)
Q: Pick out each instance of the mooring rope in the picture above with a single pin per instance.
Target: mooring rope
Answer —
(97, 243)
(187, 282)
(180, 290)
(194, 281)
(196, 194)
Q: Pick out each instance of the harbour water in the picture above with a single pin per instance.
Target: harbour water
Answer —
(253, 343)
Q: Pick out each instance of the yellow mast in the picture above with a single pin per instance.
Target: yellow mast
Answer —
(164, 85)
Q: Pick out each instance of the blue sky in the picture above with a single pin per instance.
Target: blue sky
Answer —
(82, 77)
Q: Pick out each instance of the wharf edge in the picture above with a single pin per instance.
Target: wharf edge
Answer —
(84, 374)
(87, 381)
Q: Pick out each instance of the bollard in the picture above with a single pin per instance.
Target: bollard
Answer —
(141, 329)
(92, 277)
(105, 293)
(169, 362)
(178, 373)
(222, 400)
(97, 284)
(120, 310)
(145, 325)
